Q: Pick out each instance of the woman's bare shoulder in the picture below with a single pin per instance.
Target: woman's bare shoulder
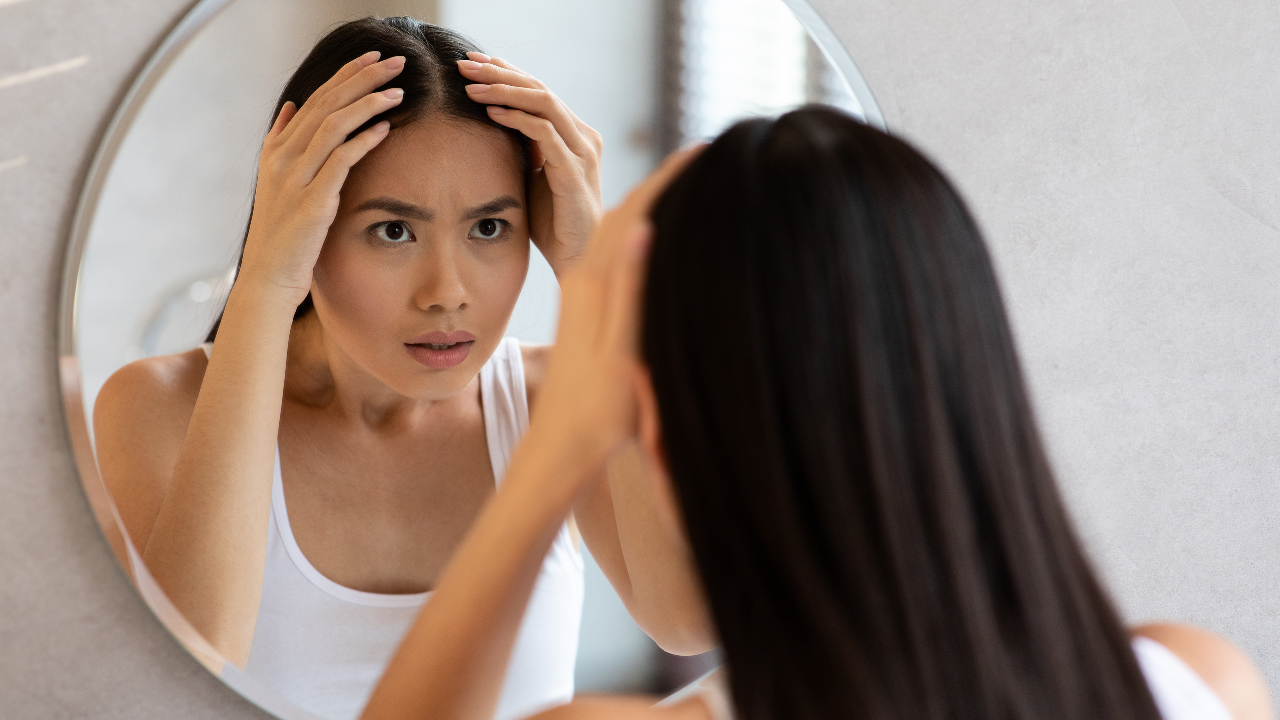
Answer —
(535, 358)
(140, 419)
(1223, 666)
(160, 385)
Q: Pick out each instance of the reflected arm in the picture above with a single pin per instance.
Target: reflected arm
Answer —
(189, 460)
(631, 532)
(634, 539)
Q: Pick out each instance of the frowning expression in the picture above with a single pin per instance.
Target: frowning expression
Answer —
(426, 257)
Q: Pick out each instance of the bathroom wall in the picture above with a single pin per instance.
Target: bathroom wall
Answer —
(1123, 158)
(1125, 161)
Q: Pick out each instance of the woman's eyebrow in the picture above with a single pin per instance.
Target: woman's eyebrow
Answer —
(397, 207)
(493, 207)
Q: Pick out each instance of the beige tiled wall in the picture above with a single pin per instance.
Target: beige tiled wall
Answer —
(1123, 157)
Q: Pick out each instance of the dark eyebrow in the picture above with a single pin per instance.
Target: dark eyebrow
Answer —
(397, 207)
(493, 207)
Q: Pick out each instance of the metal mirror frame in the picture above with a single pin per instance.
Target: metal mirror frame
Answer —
(77, 423)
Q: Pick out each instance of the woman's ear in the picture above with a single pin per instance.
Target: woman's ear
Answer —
(650, 427)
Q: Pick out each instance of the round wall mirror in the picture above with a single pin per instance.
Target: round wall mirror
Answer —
(163, 215)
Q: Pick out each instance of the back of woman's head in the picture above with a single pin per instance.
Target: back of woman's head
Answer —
(846, 423)
(430, 79)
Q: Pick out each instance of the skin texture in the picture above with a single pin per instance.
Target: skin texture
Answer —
(384, 460)
(595, 402)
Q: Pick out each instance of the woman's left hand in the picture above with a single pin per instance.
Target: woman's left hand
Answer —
(587, 399)
(564, 192)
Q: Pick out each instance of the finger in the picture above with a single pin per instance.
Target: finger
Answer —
(591, 134)
(335, 129)
(535, 102)
(346, 72)
(494, 74)
(481, 57)
(475, 70)
(584, 128)
(339, 163)
(339, 97)
(287, 111)
(555, 152)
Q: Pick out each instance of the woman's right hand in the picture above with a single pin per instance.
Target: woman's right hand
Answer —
(305, 160)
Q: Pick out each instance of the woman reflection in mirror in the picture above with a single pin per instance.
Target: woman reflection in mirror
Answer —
(298, 485)
(817, 361)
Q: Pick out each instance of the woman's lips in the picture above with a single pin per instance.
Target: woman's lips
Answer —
(441, 350)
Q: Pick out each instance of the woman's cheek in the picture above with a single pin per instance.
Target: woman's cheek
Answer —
(357, 293)
(506, 276)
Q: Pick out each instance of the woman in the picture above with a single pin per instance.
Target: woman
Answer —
(359, 372)
(825, 383)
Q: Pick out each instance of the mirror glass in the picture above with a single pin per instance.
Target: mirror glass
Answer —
(155, 247)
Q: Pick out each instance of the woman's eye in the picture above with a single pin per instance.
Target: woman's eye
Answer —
(488, 229)
(392, 232)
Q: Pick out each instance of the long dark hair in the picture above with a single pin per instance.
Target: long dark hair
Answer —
(430, 80)
(847, 426)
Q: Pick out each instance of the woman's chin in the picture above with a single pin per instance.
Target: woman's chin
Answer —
(422, 382)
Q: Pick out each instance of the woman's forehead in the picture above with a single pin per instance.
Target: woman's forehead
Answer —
(436, 157)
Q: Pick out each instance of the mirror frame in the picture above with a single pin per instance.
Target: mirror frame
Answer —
(69, 375)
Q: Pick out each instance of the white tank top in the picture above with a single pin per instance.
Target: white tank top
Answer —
(323, 646)
(1179, 692)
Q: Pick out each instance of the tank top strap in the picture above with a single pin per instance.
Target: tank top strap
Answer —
(504, 402)
(281, 530)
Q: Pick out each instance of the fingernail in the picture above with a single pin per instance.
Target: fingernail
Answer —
(370, 58)
(479, 57)
(395, 63)
(393, 94)
(478, 89)
(496, 110)
(382, 127)
(469, 65)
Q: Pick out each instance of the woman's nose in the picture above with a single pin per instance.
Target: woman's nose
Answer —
(441, 287)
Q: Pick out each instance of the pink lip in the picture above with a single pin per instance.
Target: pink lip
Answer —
(459, 340)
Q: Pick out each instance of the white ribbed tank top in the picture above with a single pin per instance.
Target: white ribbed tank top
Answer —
(323, 646)
(1179, 692)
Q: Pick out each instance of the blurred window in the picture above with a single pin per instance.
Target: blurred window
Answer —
(730, 59)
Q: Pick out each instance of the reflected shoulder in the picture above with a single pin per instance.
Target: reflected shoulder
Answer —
(1223, 666)
(161, 383)
(535, 357)
(139, 420)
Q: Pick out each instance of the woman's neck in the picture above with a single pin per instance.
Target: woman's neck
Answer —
(320, 374)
